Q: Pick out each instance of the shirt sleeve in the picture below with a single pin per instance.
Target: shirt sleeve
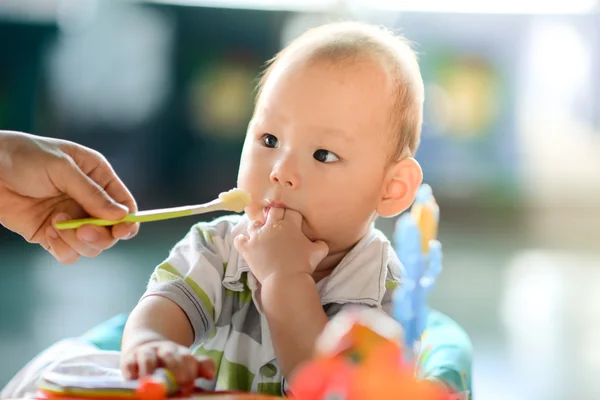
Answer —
(192, 275)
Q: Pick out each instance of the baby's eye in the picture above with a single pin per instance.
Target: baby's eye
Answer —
(325, 156)
(270, 141)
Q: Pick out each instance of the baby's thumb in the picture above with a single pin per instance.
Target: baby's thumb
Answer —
(320, 251)
(81, 188)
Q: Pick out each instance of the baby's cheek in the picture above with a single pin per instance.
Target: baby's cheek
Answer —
(319, 225)
(349, 223)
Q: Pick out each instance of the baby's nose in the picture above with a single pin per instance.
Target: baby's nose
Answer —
(283, 180)
(286, 174)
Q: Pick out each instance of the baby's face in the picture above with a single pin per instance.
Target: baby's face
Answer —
(318, 143)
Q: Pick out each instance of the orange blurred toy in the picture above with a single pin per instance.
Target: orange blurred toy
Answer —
(359, 356)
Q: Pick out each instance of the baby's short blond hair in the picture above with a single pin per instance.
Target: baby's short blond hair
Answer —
(349, 41)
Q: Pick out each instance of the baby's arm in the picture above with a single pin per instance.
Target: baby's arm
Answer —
(295, 317)
(282, 259)
(179, 308)
(157, 318)
(158, 334)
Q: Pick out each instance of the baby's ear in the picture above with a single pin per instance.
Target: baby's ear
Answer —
(401, 185)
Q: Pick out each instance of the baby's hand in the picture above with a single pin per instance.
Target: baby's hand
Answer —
(280, 246)
(144, 359)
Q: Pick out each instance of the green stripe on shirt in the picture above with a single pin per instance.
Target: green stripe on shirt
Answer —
(207, 236)
(195, 287)
(272, 388)
(234, 377)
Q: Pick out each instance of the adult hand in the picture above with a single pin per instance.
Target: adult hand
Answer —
(44, 181)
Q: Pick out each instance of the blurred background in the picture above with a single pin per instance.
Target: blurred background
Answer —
(511, 147)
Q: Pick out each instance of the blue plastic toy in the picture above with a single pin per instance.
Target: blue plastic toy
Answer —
(421, 255)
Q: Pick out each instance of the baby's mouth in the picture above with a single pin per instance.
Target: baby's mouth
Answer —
(273, 205)
(266, 213)
(280, 205)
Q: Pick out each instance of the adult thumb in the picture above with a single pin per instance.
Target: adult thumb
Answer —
(90, 196)
(320, 251)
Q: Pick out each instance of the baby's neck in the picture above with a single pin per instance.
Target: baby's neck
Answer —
(328, 265)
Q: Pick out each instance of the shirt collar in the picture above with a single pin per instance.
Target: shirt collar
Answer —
(361, 275)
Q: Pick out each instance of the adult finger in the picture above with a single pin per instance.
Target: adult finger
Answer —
(69, 179)
(116, 189)
(69, 236)
(59, 249)
(95, 165)
(98, 237)
(125, 230)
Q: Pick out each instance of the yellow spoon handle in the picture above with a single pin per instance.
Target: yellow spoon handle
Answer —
(234, 200)
(143, 216)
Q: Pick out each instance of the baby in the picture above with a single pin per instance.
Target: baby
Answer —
(329, 148)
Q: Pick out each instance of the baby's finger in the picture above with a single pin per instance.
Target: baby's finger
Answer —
(172, 361)
(59, 249)
(189, 364)
(240, 242)
(147, 362)
(294, 216)
(129, 367)
(205, 367)
(275, 214)
(187, 389)
(255, 227)
(97, 237)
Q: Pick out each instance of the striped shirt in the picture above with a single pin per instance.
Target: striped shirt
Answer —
(207, 277)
